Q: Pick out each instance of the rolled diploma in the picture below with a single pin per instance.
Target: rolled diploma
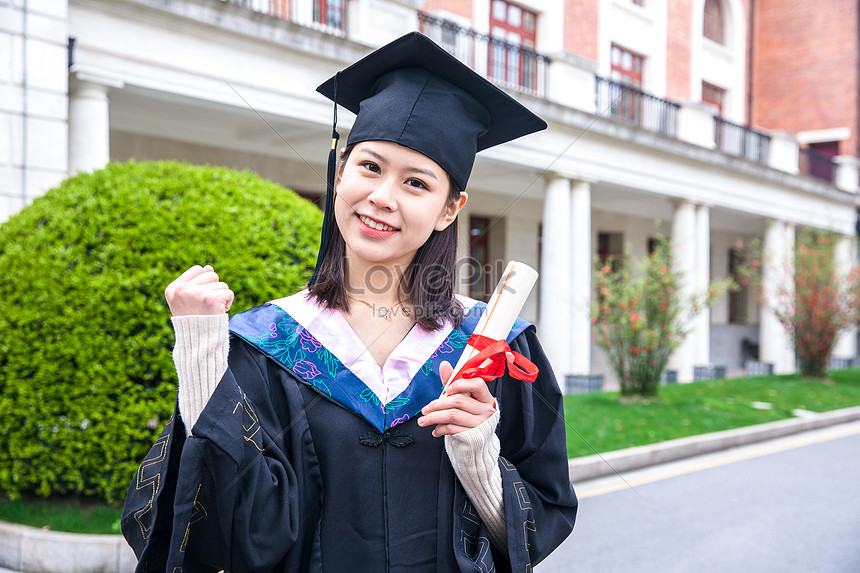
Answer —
(504, 307)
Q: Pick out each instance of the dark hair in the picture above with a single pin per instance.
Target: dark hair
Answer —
(428, 282)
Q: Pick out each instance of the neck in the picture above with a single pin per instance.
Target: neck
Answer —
(374, 283)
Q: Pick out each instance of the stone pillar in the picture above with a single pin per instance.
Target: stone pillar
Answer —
(684, 262)
(775, 345)
(580, 278)
(465, 271)
(789, 360)
(89, 121)
(844, 261)
(554, 312)
(702, 329)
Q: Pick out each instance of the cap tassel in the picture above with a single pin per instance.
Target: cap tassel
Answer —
(328, 213)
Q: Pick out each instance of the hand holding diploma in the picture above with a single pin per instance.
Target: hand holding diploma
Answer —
(466, 400)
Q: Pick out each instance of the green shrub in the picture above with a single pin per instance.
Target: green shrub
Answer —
(86, 375)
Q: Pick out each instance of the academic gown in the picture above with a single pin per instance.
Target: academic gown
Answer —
(294, 465)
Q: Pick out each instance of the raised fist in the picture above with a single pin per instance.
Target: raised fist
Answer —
(198, 291)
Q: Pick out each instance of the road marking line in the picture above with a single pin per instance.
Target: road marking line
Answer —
(746, 452)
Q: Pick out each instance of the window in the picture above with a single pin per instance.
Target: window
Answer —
(738, 299)
(455, 39)
(817, 160)
(626, 68)
(610, 247)
(512, 57)
(331, 13)
(714, 21)
(713, 95)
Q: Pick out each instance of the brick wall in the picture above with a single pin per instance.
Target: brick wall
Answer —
(280, 8)
(679, 27)
(580, 28)
(805, 66)
(458, 7)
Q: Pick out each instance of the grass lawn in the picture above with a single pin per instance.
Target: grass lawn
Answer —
(72, 514)
(595, 422)
(600, 422)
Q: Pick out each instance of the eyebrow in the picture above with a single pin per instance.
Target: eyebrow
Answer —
(382, 159)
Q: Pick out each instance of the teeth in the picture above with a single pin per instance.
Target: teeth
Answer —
(374, 225)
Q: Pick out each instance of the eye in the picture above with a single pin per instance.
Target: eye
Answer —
(417, 183)
(370, 166)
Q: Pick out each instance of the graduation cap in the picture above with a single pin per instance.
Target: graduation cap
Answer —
(414, 93)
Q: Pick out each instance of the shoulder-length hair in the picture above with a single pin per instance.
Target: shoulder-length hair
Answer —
(427, 284)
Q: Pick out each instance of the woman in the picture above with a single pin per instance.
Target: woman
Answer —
(321, 441)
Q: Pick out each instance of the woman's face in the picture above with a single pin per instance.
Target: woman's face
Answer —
(389, 200)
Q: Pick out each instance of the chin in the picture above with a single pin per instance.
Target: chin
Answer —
(372, 256)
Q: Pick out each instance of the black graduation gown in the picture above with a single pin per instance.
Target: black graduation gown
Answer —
(282, 474)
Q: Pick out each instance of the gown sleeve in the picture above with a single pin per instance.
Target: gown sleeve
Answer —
(539, 502)
(226, 497)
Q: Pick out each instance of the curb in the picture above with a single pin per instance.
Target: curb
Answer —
(590, 467)
(24, 548)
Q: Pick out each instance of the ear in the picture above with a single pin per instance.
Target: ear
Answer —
(451, 210)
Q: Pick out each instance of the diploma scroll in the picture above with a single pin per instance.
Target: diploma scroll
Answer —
(503, 309)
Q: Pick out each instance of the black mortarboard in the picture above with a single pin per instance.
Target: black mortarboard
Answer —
(412, 92)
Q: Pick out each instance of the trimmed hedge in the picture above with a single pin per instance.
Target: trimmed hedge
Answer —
(86, 374)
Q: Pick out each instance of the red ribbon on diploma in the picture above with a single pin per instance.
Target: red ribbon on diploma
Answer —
(499, 354)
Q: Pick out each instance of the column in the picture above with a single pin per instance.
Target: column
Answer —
(789, 360)
(844, 257)
(464, 251)
(89, 121)
(702, 329)
(554, 313)
(580, 278)
(684, 261)
(775, 344)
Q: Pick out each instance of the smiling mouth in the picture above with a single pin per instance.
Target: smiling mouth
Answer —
(375, 224)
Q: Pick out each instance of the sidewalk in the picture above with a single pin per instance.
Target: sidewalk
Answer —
(30, 549)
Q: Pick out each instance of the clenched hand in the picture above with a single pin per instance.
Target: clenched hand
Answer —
(198, 291)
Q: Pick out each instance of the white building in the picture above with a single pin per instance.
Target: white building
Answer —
(230, 82)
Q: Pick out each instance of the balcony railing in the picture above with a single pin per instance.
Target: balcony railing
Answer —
(741, 141)
(327, 14)
(505, 63)
(626, 103)
(817, 164)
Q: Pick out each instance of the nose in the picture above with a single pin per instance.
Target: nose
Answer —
(383, 194)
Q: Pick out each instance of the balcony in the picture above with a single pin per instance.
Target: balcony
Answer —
(625, 103)
(816, 164)
(504, 63)
(742, 141)
(328, 15)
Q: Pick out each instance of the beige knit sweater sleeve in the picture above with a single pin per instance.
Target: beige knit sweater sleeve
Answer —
(475, 457)
(200, 355)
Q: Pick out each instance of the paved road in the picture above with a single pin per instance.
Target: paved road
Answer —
(785, 506)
